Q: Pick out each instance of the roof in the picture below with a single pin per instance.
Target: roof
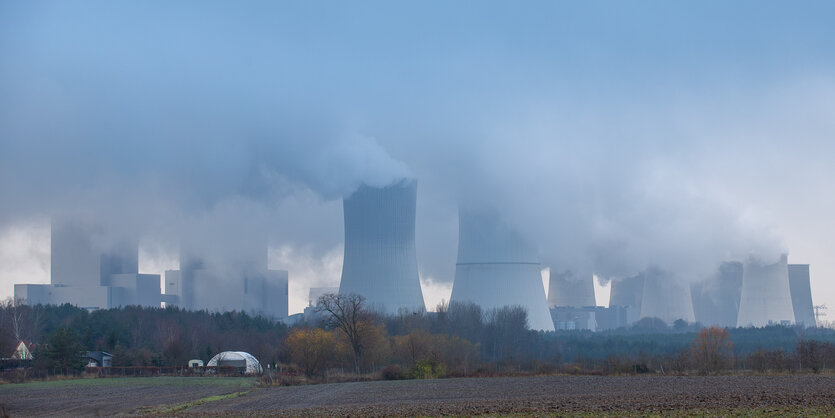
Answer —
(252, 364)
(98, 356)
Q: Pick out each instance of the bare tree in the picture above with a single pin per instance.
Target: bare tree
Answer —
(712, 350)
(346, 313)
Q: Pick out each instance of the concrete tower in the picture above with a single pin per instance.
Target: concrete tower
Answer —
(665, 297)
(627, 292)
(570, 289)
(380, 261)
(766, 297)
(804, 311)
(716, 300)
(497, 268)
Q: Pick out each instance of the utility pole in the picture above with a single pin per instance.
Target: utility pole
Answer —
(819, 313)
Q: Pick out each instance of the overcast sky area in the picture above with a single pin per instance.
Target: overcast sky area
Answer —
(614, 135)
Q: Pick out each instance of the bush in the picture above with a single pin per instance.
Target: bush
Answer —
(428, 369)
(393, 372)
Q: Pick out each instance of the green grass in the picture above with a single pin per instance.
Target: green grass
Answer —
(136, 381)
(168, 410)
(783, 411)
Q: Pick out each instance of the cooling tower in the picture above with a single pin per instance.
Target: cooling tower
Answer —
(801, 291)
(665, 297)
(766, 297)
(716, 300)
(570, 289)
(497, 268)
(627, 292)
(380, 261)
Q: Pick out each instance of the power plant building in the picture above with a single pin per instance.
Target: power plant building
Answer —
(92, 272)
(801, 292)
(628, 293)
(716, 300)
(241, 283)
(496, 267)
(766, 296)
(570, 289)
(380, 261)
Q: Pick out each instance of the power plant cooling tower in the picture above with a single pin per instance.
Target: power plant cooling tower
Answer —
(380, 261)
(665, 297)
(716, 300)
(766, 297)
(497, 268)
(804, 311)
(571, 289)
(627, 292)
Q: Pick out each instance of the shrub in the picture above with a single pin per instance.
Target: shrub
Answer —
(428, 369)
(393, 372)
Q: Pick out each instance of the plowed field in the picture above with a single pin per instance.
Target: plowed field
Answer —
(628, 395)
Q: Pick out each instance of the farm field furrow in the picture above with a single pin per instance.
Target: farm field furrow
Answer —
(616, 395)
(650, 394)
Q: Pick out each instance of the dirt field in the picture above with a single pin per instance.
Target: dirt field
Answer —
(651, 394)
(778, 395)
(110, 396)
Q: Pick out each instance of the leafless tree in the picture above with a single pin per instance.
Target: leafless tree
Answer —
(346, 313)
(712, 350)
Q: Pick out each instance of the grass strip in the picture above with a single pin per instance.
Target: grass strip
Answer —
(185, 406)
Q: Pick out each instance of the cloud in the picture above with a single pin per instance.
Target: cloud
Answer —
(613, 139)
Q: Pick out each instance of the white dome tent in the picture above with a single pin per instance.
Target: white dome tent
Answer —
(239, 359)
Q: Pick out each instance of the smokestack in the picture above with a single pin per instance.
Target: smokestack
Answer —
(801, 291)
(571, 289)
(665, 297)
(716, 300)
(766, 297)
(380, 261)
(497, 268)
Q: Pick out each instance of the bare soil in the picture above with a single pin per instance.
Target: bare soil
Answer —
(539, 395)
(534, 396)
(110, 396)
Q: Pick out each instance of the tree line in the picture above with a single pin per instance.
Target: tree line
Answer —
(345, 337)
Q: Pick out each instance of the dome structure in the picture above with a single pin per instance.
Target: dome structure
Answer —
(240, 359)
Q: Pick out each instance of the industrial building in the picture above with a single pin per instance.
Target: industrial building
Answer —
(716, 299)
(222, 283)
(569, 288)
(801, 293)
(496, 267)
(628, 293)
(92, 272)
(766, 295)
(380, 261)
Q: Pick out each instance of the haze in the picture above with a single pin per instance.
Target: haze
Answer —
(677, 135)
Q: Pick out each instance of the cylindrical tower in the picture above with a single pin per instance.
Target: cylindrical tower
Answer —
(665, 297)
(570, 289)
(801, 290)
(766, 298)
(497, 268)
(380, 261)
